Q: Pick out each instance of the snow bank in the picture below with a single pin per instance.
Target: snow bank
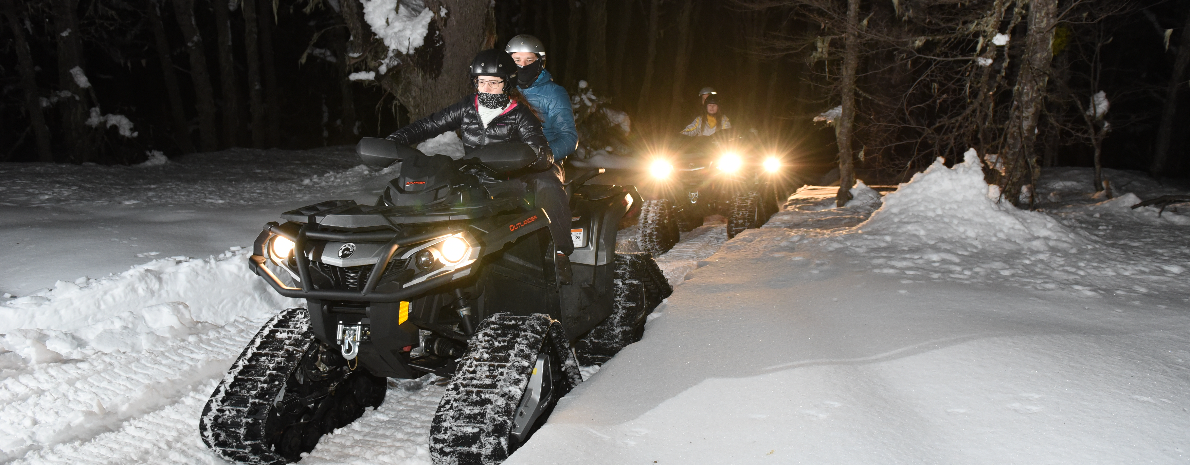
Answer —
(943, 204)
(156, 158)
(863, 196)
(166, 298)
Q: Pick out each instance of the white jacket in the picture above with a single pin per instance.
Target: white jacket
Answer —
(700, 128)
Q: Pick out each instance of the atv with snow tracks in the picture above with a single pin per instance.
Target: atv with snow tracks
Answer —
(451, 272)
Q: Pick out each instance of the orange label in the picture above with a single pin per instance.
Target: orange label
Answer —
(514, 227)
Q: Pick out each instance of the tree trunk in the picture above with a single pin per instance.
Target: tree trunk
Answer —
(686, 19)
(844, 130)
(227, 74)
(597, 45)
(628, 8)
(73, 111)
(267, 19)
(552, 27)
(172, 90)
(525, 19)
(255, 96)
(426, 86)
(772, 97)
(339, 42)
(1170, 109)
(575, 23)
(353, 16)
(753, 23)
(1028, 102)
(29, 83)
(204, 95)
(650, 55)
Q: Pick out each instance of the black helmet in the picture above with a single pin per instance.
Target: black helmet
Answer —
(711, 99)
(492, 62)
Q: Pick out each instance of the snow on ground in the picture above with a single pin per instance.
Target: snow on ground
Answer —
(930, 326)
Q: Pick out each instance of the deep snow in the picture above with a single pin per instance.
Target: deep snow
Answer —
(930, 326)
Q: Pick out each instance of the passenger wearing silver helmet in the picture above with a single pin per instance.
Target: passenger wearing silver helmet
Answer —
(549, 99)
(498, 113)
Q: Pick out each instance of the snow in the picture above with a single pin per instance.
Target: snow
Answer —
(984, 61)
(830, 116)
(447, 143)
(401, 24)
(1099, 105)
(80, 78)
(362, 76)
(122, 123)
(1000, 40)
(928, 325)
(156, 158)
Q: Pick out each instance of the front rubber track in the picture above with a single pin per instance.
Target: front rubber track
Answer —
(283, 393)
(474, 421)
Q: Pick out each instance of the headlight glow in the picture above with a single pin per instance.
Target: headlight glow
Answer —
(730, 162)
(454, 250)
(772, 164)
(660, 169)
(281, 248)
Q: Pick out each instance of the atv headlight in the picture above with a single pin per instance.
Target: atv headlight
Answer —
(660, 169)
(730, 162)
(281, 248)
(447, 254)
(772, 164)
(454, 249)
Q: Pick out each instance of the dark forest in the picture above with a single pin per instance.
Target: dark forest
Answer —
(913, 79)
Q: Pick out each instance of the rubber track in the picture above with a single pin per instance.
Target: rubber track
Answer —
(745, 213)
(473, 424)
(658, 230)
(233, 421)
(640, 286)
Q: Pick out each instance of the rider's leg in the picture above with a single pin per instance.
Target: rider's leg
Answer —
(550, 196)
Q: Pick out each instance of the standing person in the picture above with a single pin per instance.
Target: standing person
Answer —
(497, 113)
(710, 121)
(549, 99)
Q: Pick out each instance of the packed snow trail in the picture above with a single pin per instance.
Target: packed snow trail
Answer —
(828, 336)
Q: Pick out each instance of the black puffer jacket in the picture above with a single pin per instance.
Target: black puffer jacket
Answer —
(516, 124)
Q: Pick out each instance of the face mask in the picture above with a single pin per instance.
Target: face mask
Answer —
(493, 101)
(528, 74)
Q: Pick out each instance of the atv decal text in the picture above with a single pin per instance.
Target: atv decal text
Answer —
(514, 227)
(410, 183)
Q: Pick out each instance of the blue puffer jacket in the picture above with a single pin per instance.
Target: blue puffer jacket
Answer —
(553, 105)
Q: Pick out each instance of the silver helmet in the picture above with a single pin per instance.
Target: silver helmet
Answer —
(707, 90)
(525, 43)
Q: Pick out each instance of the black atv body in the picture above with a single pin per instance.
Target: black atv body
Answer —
(450, 272)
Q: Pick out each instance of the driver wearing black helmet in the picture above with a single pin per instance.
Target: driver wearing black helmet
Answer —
(498, 113)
